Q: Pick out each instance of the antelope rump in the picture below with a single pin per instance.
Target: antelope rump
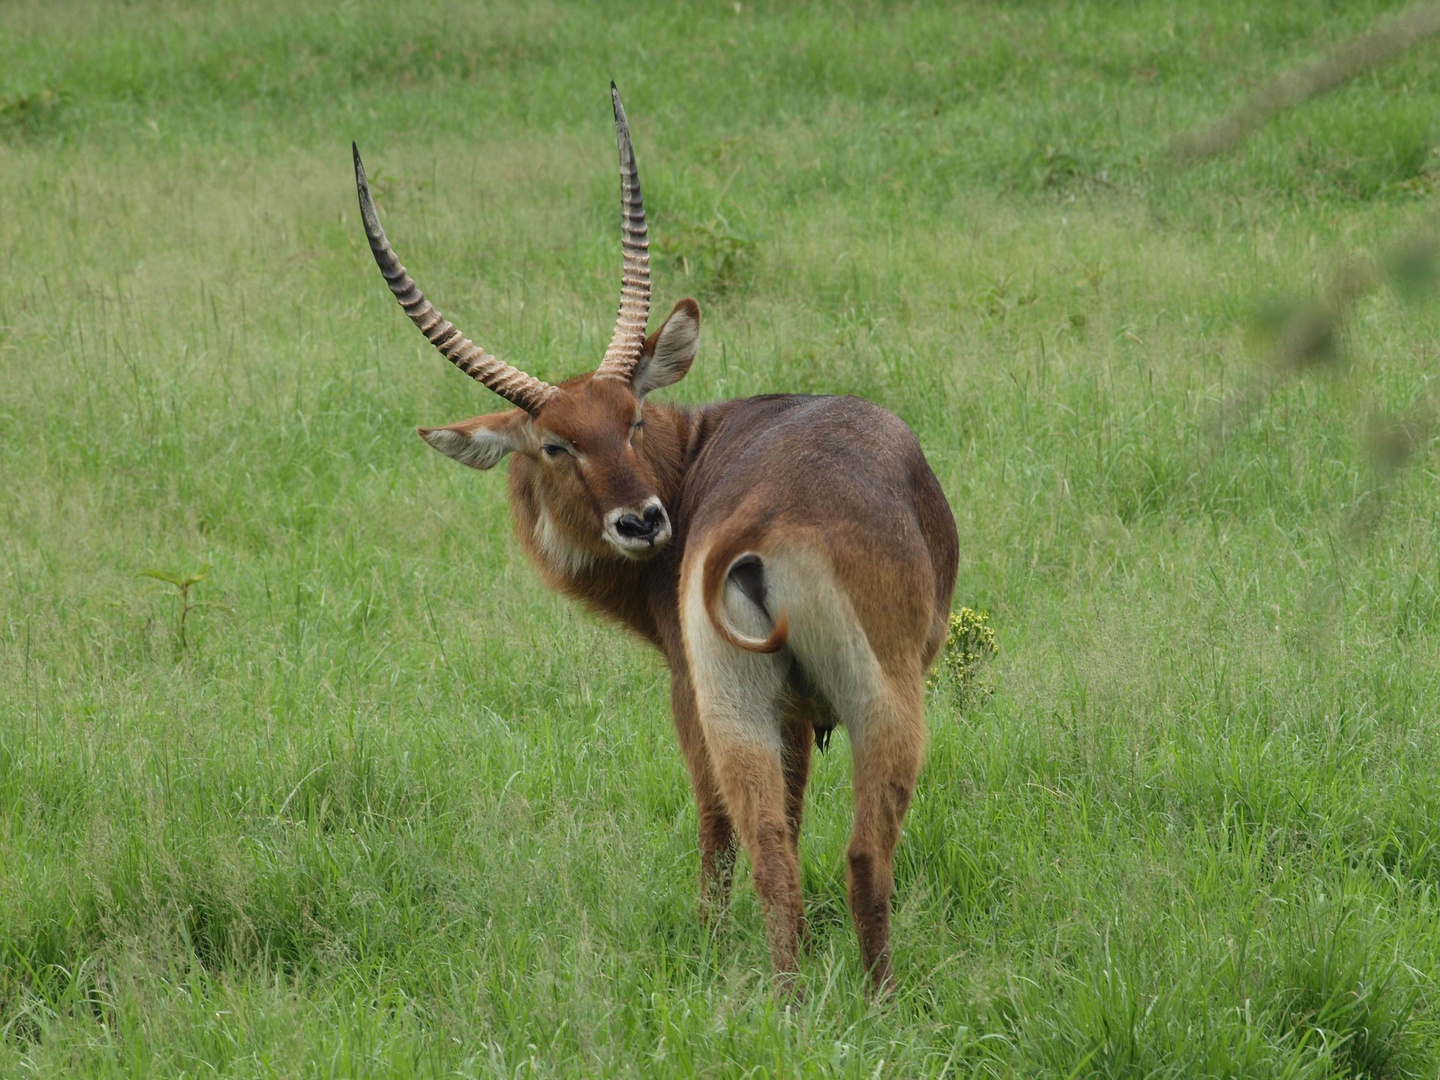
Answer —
(791, 556)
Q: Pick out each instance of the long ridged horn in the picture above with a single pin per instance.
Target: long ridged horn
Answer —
(624, 351)
(509, 382)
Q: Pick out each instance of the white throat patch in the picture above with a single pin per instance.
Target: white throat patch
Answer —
(562, 555)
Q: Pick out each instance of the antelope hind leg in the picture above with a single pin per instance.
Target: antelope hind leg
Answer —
(739, 697)
(752, 777)
(888, 743)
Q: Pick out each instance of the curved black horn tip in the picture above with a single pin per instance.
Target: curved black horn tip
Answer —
(362, 189)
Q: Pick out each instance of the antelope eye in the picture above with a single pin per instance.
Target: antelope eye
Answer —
(554, 450)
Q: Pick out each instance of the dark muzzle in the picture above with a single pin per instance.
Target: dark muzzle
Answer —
(635, 527)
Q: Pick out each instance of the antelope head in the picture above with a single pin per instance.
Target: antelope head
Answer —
(585, 437)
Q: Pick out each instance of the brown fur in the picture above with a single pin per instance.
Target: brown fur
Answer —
(859, 552)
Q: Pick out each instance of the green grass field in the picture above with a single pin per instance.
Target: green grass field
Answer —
(394, 810)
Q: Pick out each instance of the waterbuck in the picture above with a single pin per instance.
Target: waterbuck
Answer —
(792, 557)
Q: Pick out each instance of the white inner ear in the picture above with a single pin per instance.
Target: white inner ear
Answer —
(675, 350)
(481, 449)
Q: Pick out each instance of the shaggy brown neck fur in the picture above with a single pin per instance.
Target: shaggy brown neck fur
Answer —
(601, 579)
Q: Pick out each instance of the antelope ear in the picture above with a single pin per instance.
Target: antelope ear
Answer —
(669, 352)
(482, 441)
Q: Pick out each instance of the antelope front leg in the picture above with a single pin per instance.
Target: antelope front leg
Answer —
(797, 728)
(717, 832)
(797, 725)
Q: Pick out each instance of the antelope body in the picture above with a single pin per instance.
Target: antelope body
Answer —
(792, 557)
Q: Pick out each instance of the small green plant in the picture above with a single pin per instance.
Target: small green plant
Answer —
(183, 584)
(711, 255)
(30, 113)
(1051, 167)
(969, 641)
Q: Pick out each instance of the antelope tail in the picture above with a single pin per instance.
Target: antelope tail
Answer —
(719, 563)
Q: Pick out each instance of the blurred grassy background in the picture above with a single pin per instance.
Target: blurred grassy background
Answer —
(396, 811)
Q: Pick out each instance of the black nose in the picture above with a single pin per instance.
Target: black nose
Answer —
(634, 527)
